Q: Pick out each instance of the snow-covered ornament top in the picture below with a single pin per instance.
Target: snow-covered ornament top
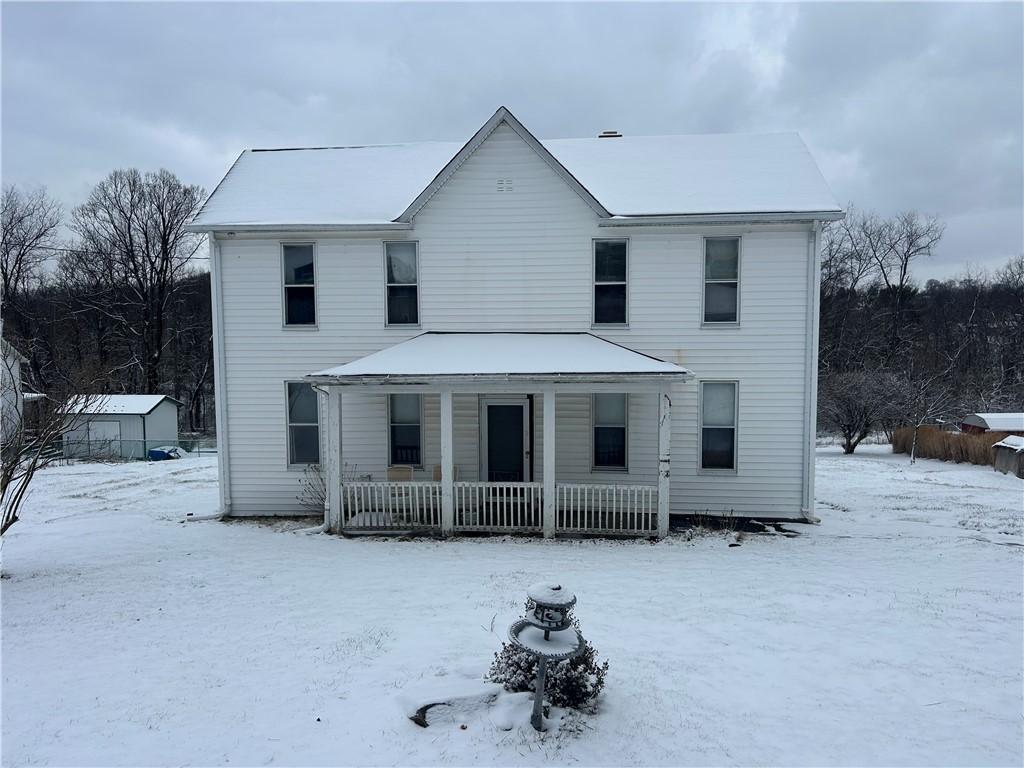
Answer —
(552, 604)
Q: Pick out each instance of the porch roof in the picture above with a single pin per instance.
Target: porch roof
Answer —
(436, 357)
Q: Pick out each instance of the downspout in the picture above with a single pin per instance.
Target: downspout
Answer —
(220, 377)
(811, 370)
(145, 453)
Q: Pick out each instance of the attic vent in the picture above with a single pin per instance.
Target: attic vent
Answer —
(610, 135)
(504, 185)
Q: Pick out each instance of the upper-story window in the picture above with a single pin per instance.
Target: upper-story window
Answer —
(303, 424)
(299, 283)
(401, 265)
(608, 416)
(718, 425)
(721, 280)
(610, 282)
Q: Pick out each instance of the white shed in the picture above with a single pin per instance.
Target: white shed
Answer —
(121, 426)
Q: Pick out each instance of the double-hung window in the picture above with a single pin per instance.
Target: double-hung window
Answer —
(608, 418)
(405, 415)
(718, 425)
(401, 265)
(610, 282)
(303, 424)
(299, 283)
(721, 280)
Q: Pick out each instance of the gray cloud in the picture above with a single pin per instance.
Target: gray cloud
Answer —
(905, 106)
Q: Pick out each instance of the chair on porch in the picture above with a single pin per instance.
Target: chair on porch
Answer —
(400, 473)
(437, 473)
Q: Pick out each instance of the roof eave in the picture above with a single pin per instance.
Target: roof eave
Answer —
(504, 378)
(384, 226)
(753, 217)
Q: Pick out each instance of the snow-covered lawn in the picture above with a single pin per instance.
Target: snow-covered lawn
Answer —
(889, 634)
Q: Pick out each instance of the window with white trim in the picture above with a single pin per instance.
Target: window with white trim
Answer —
(608, 416)
(718, 424)
(401, 265)
(405, 417)
(303, 424)
(299, 283)
(721, 279)
(610, 258)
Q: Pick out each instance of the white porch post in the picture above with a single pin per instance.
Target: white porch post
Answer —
(664, 457)
(550, 502)
(447, 465)
(332, 502)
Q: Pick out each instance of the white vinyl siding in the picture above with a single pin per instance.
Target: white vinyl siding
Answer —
(522, 260)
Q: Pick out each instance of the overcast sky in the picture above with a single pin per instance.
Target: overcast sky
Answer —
(904, 106)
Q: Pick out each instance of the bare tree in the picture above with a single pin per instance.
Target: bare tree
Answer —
(855, 403)
(29, 226)
(132, 253)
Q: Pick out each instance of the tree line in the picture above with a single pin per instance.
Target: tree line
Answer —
(112, 296)
(896, 354)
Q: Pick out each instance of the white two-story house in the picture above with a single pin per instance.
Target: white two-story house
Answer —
(565, 336)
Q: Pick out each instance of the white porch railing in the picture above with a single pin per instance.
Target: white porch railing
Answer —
(498, 507)
(590, 508)
(391, 506)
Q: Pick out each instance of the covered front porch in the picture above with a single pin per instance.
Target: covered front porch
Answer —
(534, 432)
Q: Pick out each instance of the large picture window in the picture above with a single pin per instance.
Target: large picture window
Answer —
(406, 435)
(401, 264)
(718, 425)
(722, 280)
(303, 424)
(610, 282)
(299, 283)
(609, 417)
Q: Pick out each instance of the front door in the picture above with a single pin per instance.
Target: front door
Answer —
(505, 451)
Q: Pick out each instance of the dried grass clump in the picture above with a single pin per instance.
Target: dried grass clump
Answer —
(959, 447)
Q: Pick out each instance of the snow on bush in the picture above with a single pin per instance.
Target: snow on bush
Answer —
(573, 684)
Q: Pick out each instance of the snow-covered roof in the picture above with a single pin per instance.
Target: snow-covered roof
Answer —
(1013, 442)
(536, 356)
(997, 422)
(627, 176)
(117, 405)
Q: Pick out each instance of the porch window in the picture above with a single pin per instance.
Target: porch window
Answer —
(402, 268)
(608, 416)
(721, 279)
(299, 283)
(303, 424)
(610, 282)
(718, 425)
(405, 418)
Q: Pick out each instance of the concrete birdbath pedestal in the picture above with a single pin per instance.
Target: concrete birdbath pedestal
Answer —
(547, 633)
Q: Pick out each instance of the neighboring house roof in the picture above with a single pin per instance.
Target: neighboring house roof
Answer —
(117, 405)
(362, 186)
(996, 422)
(538, 356)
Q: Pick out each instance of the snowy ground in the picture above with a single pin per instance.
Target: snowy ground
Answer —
(889, 634)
